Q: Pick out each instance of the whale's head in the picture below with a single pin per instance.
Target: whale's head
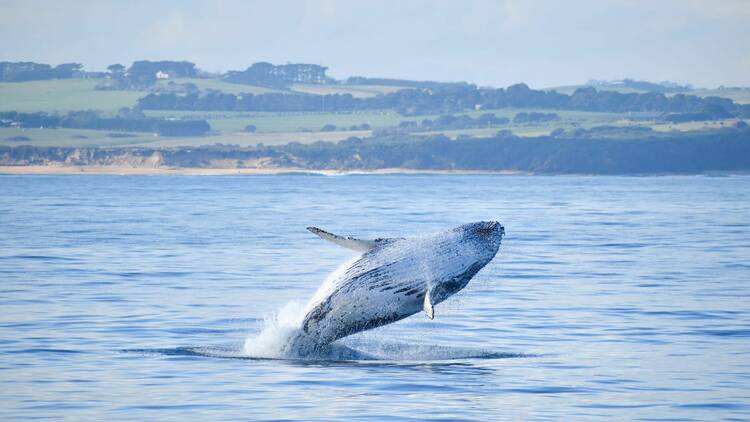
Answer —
(471, 246)
(481, 239)
(460, 253)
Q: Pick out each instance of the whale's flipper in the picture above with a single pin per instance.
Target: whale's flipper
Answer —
(347, 242)
(428, 309)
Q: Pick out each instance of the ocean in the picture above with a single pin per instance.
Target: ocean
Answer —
(132, 298)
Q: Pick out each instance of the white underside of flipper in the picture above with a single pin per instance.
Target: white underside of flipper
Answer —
(428, 309)
(358, 245)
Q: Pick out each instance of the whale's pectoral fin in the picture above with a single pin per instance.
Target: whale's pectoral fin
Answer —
(428, 309)
(347, 242)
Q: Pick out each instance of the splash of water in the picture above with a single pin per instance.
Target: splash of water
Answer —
(279, 329)
(273, 340)
(279, 338)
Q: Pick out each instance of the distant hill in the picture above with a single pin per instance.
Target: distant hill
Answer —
(175, 103)
(740, 95)
(586, 152)
(664, 87)
(454, 98)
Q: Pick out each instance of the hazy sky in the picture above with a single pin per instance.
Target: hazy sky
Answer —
(494, 42)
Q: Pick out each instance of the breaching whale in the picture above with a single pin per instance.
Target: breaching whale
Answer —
(391, 280)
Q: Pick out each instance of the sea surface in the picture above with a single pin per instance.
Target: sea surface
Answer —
(132, 297)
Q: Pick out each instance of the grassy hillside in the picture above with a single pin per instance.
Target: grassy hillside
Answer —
(69, 137)
(100, 138)
(93, 138)
(63, 95)
(738, 95)
(220, 85)
(285, 122)
(356, 91)
(292, 122)
(272, 128)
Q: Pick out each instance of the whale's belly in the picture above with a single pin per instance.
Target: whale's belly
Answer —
(357, 310)
(377, 289)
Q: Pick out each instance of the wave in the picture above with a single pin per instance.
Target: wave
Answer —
(339, 352)
(274, 340)
(280, 339)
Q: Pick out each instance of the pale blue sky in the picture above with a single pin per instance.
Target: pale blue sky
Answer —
(493, 42)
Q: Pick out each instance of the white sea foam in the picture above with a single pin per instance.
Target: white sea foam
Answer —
(271, 342)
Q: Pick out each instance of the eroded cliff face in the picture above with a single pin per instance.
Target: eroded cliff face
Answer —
(145, 158)
(136, 158)
(683, 153)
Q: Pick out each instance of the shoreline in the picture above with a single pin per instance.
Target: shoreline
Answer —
(53, 170)
(206, 171)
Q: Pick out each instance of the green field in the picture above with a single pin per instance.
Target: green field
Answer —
(63, 95)
(297, 122)
(69, 138)
(281, 128)
(285, 122)
(272, 128)
(357, 91)
(220, 85)
(94, 138)
(75, 137)
(247, 139)
(686, 126)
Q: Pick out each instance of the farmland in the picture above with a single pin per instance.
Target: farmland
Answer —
(220, 85)
(357, 91)
(62, 95)
(274, 128)
(285, 122)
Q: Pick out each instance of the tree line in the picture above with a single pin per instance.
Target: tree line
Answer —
(449, 99)
(143, 74)
(458, 122)
(279, 76)
(31, 71)
(590, 153)
(127, 121)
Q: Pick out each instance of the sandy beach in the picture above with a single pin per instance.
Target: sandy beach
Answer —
(203, 171)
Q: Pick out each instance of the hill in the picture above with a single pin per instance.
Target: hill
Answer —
(609, 151)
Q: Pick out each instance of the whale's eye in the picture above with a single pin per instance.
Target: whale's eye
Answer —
(485, 231)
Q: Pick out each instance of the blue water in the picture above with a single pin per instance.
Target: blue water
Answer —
(130, 298)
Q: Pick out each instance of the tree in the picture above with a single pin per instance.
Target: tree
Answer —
(69, 67)
(116, 69)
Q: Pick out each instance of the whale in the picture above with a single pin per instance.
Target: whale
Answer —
(392, 279)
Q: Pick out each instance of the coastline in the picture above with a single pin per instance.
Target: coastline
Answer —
(217, 171)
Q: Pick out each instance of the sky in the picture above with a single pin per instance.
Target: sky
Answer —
(543, 43)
